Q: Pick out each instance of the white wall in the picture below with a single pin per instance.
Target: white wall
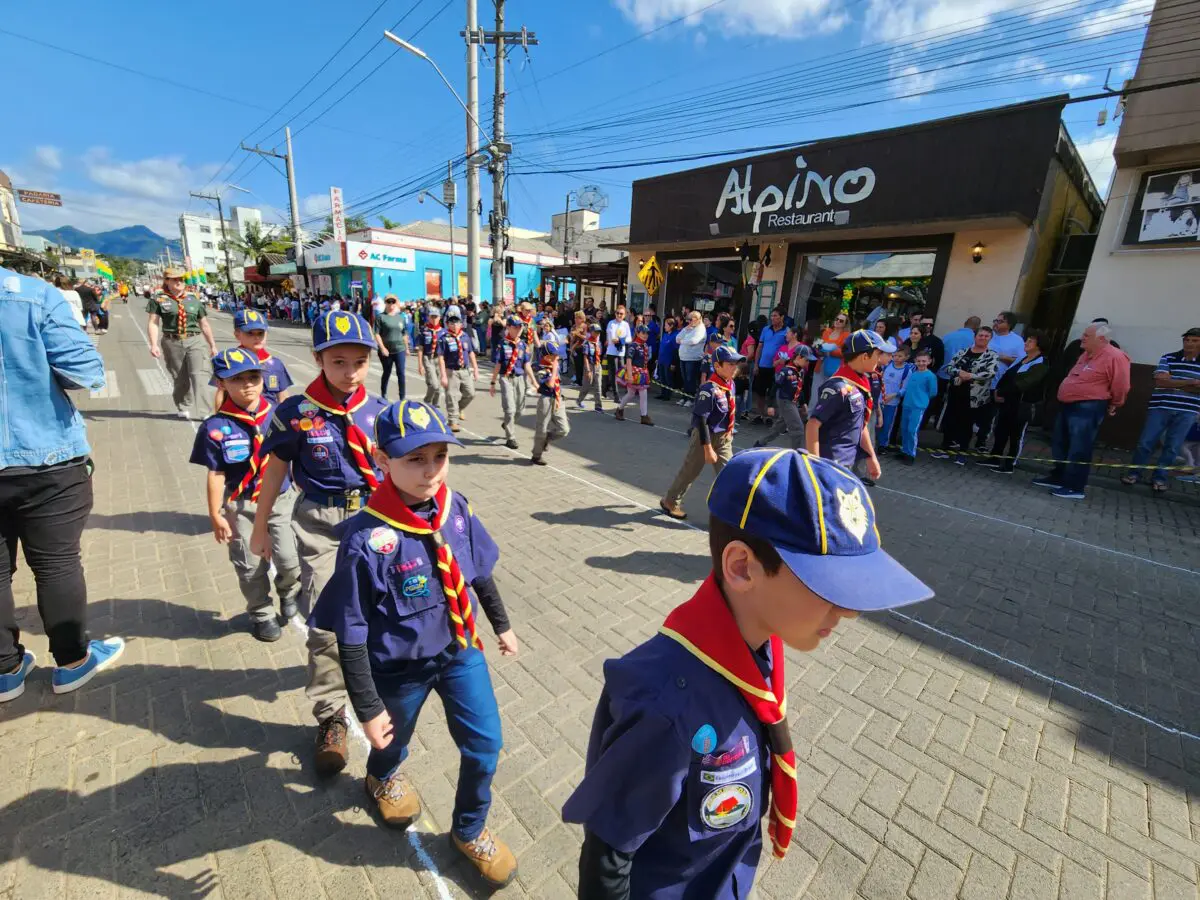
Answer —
(1148, 296)
(986, 288)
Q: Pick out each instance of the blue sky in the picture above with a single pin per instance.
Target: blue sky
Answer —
(612, 81)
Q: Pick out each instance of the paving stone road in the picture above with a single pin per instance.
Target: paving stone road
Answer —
(1030, 733)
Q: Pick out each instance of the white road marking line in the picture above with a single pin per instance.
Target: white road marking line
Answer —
(413, 835)
(110, 391)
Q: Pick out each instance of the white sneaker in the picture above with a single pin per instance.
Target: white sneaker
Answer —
(185, 415)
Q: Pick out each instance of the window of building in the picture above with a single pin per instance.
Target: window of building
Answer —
(206, 245)
(204, 229)
(210, 261)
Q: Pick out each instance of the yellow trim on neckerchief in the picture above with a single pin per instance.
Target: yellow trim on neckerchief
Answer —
(338, 412)
(769, 696)
(409, 529)
(820, 503)
(754, 487)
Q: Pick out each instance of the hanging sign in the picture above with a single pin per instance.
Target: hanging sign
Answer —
(651, 276)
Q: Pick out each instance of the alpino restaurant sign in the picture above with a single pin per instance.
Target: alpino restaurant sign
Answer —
(785, 207)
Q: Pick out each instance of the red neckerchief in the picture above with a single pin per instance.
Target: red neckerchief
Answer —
(705, 627)
(593, 350)
(553, 382)
(250, 482)
(262, 354)
(356, 439)
(462, 355)
(861, 381)
(387, 505)
(511, 364)
(727, 387)
(528, 332)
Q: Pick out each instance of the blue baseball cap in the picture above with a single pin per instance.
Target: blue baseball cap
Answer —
(864, 341)
(249, 320)
(232, 362)
(340, 327)
(821, 521)
(513, 322)
(726, 354)
(409, 424)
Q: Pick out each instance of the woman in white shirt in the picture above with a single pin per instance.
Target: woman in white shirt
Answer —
(63, 283)
(691, 348)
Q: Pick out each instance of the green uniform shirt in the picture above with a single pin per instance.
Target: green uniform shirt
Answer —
(391, 331)
(167, 309)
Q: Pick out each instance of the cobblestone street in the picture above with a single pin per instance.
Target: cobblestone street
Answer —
(1032, 732)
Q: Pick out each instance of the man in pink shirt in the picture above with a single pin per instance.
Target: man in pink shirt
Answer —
(1096, 386)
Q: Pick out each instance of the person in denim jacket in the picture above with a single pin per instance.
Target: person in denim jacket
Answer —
(45, 480)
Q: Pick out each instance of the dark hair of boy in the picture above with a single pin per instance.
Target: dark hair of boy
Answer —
(721, 534)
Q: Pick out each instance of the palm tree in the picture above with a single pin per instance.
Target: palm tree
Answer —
(389, 224)
(353, 224)
(255, 242)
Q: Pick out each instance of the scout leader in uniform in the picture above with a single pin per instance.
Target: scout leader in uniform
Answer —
(690, 747)
(250, 331)
(401, 609)
(180, 333)
(324, 436)
(229, 444)
(513, 373)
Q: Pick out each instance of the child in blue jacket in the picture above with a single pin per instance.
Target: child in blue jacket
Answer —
(919, 390)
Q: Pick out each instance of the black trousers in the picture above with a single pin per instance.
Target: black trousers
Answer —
(959, 419)
(1012, 418)
(612, 368)
(44, 512)
(984, 417)
(394, 361)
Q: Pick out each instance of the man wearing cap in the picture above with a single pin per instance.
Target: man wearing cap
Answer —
(1173, 409)
(514, 375)
(427, 366)
(180, 333)
(690, 747)
(839, 425)
(711, 432)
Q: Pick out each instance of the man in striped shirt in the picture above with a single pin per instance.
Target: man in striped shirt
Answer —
(1173, 408)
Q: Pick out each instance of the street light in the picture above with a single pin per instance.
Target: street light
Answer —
(417, 51)
(449, 195)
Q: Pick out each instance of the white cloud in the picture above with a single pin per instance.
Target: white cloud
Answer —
(1097, 154)
(314, 205)
(1026, 65)
(776, 18)
(1071, 82)
(103, 211)
(901, 20)
(49, 157)
(913, 80)
(1125, 15)
(155, 178)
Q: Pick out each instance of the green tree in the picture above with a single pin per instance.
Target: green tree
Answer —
(389, 224)
(353, 223)
(254, 243)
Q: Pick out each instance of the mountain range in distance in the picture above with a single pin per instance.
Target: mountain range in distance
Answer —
(134, 242)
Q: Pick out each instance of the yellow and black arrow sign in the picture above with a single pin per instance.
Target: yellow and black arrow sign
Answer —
(651, 276)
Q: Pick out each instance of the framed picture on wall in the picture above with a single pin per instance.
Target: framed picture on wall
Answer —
(433, 284)
(1166, 209)
(463, 284)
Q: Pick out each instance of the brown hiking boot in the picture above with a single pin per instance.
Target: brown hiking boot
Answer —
(619, 415)
(674, 510)
(646, 420)
(333, 749)
(396, 798)
(490, 856)
(455, 429)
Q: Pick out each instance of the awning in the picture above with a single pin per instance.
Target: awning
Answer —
(606, 273)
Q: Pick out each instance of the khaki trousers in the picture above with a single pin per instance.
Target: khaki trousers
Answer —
(253, 572)
(591, 386)
(433, 384)
(552, 424)
(460, 391)
(512, 401)
(693, 464)
(188, 363)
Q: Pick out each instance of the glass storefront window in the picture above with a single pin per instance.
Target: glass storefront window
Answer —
(711, 286)
(824, 284)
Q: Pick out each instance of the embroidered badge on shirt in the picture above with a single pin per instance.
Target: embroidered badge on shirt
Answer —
(729, 756)
(319, 453)
(382, 540)
(852, 513)
(725, 806)
(415, 586)
(237, 451)
(272, 383)
(217, 435)
(460, 524)
(705, 739)
(724, 776)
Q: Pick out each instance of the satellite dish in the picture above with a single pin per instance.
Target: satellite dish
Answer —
(590, 197)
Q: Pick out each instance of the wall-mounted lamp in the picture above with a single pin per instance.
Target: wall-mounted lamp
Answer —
(977, 252)
(641, 262)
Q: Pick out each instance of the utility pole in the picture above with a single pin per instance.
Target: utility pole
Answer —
(450, 198)
(291, 180)
(500, 149)
(224, 237)
(473, 200)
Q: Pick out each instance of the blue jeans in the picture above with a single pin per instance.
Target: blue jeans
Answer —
(462, 681)
(883, 436)
(1075, 430)
(910, 424)
(1172, 426)
(691, 376)
(663, 377)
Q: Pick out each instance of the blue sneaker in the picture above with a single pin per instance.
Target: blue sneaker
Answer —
(101, 655)
(12, 685)
(1067, 494)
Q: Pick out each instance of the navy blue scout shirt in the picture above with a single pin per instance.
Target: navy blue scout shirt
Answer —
(505, 354)
(787, 384)
(429, 340)
(547, 380)
(689, 810)
(455, 349)
(224, 444)
(841, 410)
(712, 406)
(314, 442)
(638, 354)
(385, 591)
(276, 378)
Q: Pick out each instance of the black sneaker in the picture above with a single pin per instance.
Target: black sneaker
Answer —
(960, 461)
(869, 482)
(907, 460)
(288, 611)
(538, 461)
(768, 421)
(757, 420)
(988, 465)
(511, 444)
(1046, 483)
(1004, 470)
(939, 454)
(267, 631)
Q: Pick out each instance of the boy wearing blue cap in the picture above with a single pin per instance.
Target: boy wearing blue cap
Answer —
(711, 432)
(323, 435)
(637, 375)
(690, 746)
(250, 331)
(230, 445)
(404, 621)
(789, 397)
(839, 424)
(552, 424)
(513, 373)
(458, 368)
(593, 372)
(427, 367)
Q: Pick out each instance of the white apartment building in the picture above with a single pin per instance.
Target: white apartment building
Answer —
(201, 236)
(10, 219)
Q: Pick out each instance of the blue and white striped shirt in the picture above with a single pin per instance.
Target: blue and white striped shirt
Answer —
(1175, 365)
